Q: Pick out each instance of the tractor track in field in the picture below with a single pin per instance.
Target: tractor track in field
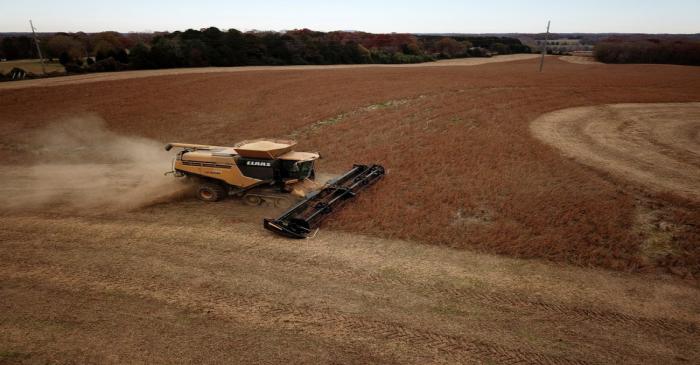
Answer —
(294, 318)
(182, 250)
(517, 300)
(340, 271)
(291, 316)
(288, 259)
(654, 145)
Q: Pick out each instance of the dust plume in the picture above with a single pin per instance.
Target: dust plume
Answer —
(307, 186)
(80, 165)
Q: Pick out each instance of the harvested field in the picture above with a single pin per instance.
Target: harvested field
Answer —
(32, 66)
(582, 60)
(406, 274)
(655, 145)
(143, 287)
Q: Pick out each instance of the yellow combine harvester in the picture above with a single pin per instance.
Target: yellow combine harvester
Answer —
(267, 167)
(266, 171)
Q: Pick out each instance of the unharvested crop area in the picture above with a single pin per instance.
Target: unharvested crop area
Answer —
(184, 281)
(464, 170)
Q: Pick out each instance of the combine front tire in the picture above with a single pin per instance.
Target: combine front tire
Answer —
(252, 200)
(283, 202)
(210, 192)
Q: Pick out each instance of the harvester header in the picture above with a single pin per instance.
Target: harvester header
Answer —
(303, 218)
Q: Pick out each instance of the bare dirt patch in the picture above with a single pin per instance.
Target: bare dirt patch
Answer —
(581, 60)
(655, 145)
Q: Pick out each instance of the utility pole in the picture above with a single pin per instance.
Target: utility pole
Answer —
(544, 45)
(38, 49)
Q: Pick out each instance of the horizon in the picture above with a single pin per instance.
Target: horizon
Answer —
(350, 31)
(439, 17)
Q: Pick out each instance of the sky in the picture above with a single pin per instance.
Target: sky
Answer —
(407, 16)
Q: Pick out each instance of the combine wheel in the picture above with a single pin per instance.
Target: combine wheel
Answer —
(210, 192)
(253, 200)
(283, 202)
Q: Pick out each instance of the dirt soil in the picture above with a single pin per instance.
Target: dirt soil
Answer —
(143, 287)
(655, 145)
(582, 60)
(92, 271)
(107, 76)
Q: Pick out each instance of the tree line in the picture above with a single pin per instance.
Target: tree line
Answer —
(668, 51)
(107, 51)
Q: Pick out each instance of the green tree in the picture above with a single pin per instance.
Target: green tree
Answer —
(166, 53)
(499, 48)
(140, 57)
(365, 54)
(15, 48)
(103, 49)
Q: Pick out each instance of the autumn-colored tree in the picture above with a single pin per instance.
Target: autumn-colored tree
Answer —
(65, 47)
(117, 40)
(449, 47)
(102, 49)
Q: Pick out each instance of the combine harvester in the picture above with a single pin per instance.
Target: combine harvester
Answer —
(267, 171)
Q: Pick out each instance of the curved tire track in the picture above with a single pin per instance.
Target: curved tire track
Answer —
(290, 317)
(655, 145)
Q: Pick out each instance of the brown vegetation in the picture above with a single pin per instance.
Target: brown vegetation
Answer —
(463, 170)
(651, 144)
(188, 282)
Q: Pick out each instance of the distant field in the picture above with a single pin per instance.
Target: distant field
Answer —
(112, 76)
(32, 66)
(583, 60)
(104, 261)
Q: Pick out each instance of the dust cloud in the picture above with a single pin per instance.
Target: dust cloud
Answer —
(305, 187)
(78, 164)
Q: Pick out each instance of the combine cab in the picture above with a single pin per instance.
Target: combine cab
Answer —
(266, 171)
